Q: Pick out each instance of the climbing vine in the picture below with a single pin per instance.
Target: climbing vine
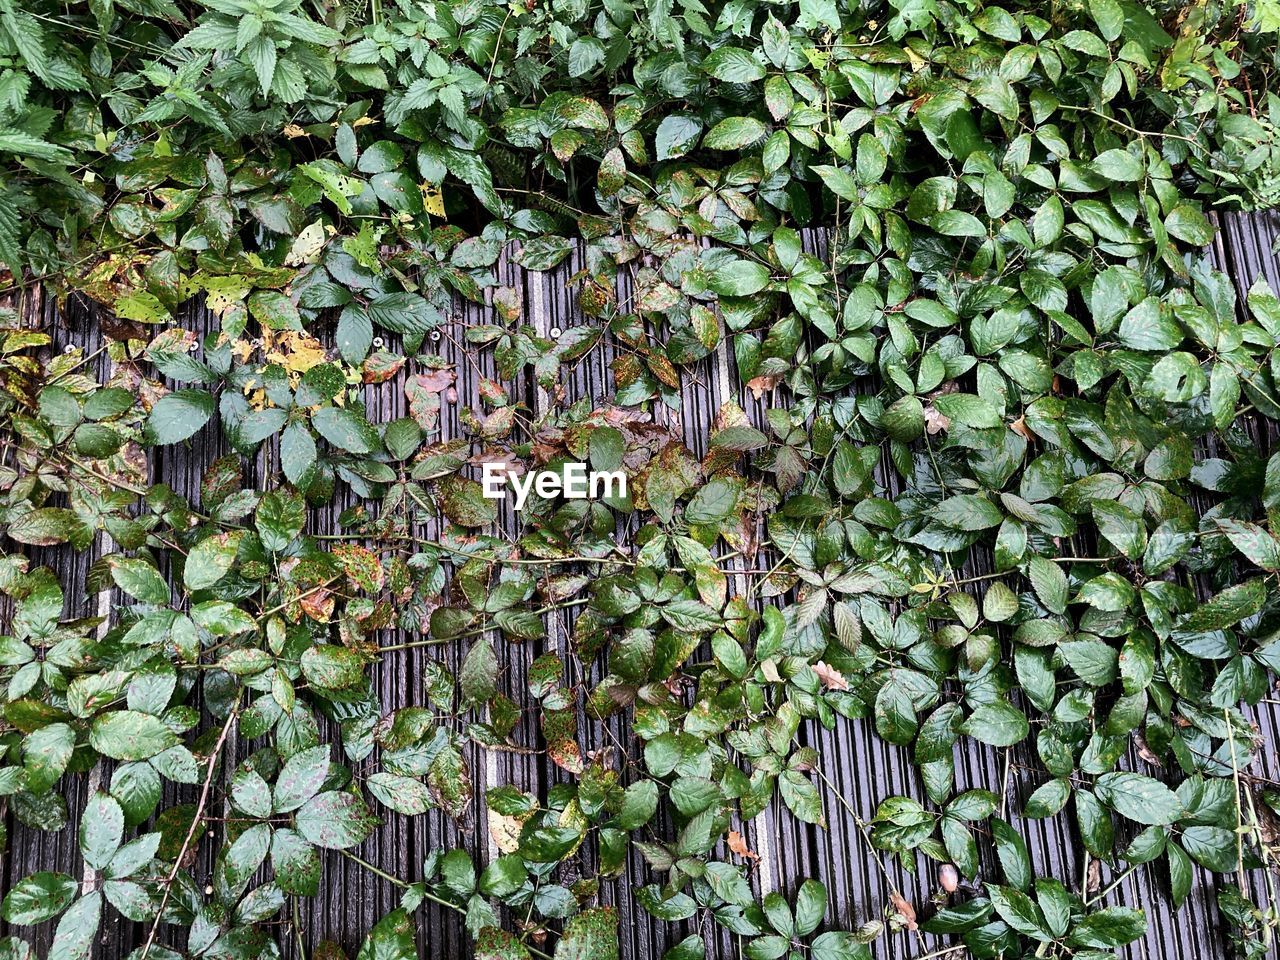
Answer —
(1012, 483)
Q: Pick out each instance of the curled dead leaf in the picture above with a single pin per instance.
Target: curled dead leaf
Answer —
(935, 421)
(739, 846)
(903, 908)
(831, 678)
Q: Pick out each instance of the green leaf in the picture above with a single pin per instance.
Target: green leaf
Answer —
(211, 559)
(130, 735)
(301, 778)
(101, 830)
(1140, 798)
(332, 667)
(179, 415)
(1259, 546)
(38, 897)
(297, 451)
(46, 753)
(838, 945)
(1188, 224)
(839, 181)
(733, 65)
(462, 500)
(734, 133)
(279, 519)
(139, 579)
(999, 724)
(334, 820)
(1108, 928)
(872, 159)
(966, 511)
(1121, 526)
(392, 938)
(1049, 583)
(1109, 16)
(801, 797)
(273, 309)
(590, 935)
(495, 944)
(46, 527)
(1020, 912)
(740, 438)
(74, 937)
(639, 803)
(355, 334)
(810, 907)
(1118, 164)
(346, 430)
(677, 135)
(478, 677)
(739, 278)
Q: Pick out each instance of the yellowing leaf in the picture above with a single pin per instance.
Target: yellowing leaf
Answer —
(432, 199)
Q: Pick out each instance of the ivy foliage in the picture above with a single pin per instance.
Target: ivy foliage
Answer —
(1007, 355)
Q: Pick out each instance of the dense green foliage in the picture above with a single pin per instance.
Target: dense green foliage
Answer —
(1011, 355)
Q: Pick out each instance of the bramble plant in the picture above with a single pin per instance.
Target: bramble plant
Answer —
(1010, 352)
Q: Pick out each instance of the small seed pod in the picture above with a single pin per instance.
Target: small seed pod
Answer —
(948, 877)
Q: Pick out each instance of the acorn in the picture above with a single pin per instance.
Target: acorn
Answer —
(948, 877)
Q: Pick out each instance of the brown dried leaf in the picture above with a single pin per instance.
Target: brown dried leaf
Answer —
(831, 678)
(935, 421)
(739, 846)
(902, 906)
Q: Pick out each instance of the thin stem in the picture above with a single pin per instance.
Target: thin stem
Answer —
(214, 755)
(862, 829)
(476, 631)
(77, 365)
(1134, 130)
(1101, 894)
(427, 894)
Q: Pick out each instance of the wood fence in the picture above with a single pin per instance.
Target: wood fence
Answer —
(863, 768)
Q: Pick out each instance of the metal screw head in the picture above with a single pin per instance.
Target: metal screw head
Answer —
(193, 346)
(555, 333)
(69, 348)
(377, 342)
(435, 336)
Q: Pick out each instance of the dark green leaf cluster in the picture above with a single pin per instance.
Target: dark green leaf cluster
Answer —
(1006, 491)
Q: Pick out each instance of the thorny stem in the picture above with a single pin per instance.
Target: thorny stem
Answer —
(212, 764)
(306, 593)
(77, 365)
(862, 829)
(1235, 772)
(476, 631)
